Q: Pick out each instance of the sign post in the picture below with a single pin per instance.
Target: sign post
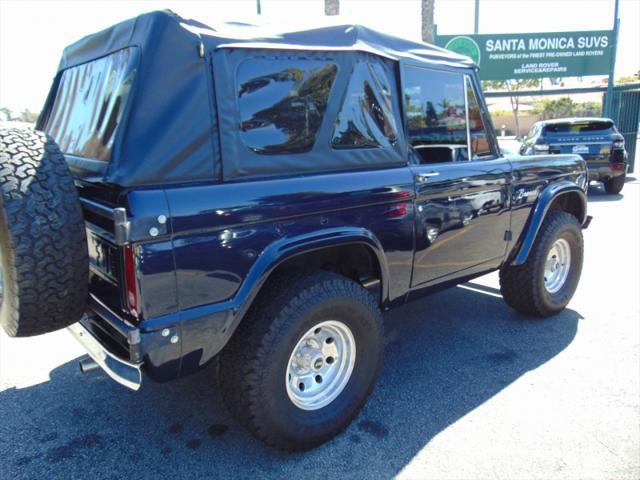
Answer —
(535, 55)
(609, 96)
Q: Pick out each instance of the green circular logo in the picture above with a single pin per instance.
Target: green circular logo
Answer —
(465, 46)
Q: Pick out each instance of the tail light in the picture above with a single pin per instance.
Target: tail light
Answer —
(398, 211)
(130, 280)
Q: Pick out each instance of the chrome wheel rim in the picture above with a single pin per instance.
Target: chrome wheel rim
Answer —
(320, 365)
(556, 269)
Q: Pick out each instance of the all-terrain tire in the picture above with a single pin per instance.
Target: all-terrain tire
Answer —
(523, 286)
(43, 247)
(614, 185)
(252, 368)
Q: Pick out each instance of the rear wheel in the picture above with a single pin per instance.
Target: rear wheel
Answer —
(545, 284)
(43, 253)
(303, 363)
(614, 185)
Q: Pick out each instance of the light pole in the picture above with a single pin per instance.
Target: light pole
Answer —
(476, 18)
(612, 65)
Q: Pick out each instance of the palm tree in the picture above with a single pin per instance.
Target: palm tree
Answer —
(428, 34)
(331, 7)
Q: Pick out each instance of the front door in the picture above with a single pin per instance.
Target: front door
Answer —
(461, 182)
(461, 217)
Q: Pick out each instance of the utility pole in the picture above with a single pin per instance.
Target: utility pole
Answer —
(428, 30)
(258, 7)
(476, 21)
(608, 105)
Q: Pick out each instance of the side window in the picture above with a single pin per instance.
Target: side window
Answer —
(366, 118)
(480, 146)
(282, 103)
(436, 117)
(90, 103)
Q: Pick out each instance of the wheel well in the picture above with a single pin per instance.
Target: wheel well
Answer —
(355, 261)
(570, 202)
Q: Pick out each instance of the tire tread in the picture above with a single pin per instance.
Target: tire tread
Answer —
(518, 283)
(241, 361)
(45, 234)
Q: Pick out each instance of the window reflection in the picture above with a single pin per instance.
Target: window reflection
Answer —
(89, 104)
(282, 103)
(366, 117)
(479, 141)
(435, 107)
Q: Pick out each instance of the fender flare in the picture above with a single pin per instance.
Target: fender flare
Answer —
(289, 247)
(546, 198)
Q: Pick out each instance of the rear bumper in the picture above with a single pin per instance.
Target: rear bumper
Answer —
(124, 372)
(606, 171)
(125, 351)
(163, 348)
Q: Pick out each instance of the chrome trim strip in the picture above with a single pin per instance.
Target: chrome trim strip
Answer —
(125, 373)
(465, 80)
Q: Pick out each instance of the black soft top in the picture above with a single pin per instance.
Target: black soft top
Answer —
(168, 131)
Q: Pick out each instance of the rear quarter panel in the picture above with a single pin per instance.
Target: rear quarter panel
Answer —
(221, 231)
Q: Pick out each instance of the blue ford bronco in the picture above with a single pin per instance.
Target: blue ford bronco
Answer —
(597, 140)
(193, 194)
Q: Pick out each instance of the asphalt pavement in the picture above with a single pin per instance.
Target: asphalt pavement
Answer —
(469, 389)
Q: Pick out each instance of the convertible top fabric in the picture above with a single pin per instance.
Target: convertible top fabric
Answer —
(169, 129)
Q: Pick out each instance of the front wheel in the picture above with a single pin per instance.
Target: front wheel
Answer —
(546, 282)
(303, 363)
(614, 185)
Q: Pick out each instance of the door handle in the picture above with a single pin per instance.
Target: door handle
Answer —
(423, 177)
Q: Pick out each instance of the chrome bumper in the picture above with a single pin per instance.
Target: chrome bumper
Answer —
(123, 372)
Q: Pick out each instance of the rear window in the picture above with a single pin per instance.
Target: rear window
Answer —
(90, 102)
(580, 127)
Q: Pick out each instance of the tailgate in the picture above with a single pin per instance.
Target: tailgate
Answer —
(593, 150)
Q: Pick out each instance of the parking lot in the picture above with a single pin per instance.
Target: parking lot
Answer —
(468, 389)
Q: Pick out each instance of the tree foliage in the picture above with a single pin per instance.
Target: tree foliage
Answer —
(635, 78)
(25, 116)
(331, 7)
(566, 107)
(28, 116)
(512, 86)
(7, 112)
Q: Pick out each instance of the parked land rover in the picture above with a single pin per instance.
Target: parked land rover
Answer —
(597, 140)
(194, 194)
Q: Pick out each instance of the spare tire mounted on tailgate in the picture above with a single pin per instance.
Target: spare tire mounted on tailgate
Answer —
(43, 248)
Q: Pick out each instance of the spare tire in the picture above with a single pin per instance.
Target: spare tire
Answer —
(44, 265)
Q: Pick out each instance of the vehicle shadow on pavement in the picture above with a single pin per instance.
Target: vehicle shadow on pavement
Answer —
(597, 193)
(446, 355)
